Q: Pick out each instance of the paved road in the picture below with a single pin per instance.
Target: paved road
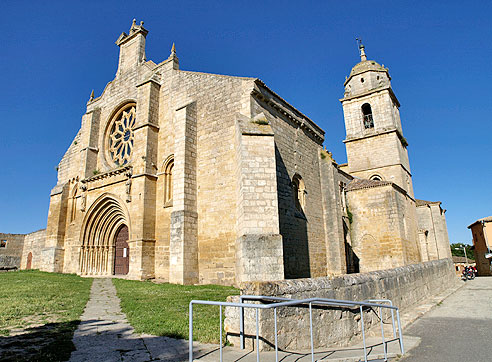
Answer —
(459, 329)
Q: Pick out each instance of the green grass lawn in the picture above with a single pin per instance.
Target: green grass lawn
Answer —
(47, 306)
(162, 309)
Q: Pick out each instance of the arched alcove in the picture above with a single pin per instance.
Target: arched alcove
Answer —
(104, 219)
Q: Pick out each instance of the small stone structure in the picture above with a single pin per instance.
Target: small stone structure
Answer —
(405, 286)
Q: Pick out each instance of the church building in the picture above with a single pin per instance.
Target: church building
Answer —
(197, 178)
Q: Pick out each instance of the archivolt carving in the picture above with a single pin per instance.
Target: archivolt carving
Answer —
(102, 222)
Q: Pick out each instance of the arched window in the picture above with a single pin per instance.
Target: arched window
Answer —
(73, 198)
(299, 192)
(376, 178)
(367, 116)
(168, 187)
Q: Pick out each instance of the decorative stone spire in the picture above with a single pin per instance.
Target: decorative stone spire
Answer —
(173, 58)
(173, 51)
(92, 96)
(136, 27)
(363, 56)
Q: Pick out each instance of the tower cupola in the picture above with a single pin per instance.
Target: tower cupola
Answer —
(366, 76)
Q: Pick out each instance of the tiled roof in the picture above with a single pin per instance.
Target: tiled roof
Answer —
(358, 184)
(485, 219)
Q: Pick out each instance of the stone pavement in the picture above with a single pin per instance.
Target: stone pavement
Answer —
(458, 329)
(104, 334)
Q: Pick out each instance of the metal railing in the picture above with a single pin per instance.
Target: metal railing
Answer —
(286, 302)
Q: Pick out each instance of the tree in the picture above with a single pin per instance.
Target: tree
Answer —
(457, 250)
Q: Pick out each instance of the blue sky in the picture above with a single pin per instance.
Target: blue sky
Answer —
(438, 53)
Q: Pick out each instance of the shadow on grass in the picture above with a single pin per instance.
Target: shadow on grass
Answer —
(50, 342)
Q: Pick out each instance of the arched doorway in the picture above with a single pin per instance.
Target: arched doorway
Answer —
(106, 222)
(29, 261)
(121, 252)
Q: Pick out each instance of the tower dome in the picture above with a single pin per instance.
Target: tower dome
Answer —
(366, 76)
(367, 66)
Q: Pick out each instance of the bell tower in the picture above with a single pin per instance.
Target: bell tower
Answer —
(376, 148)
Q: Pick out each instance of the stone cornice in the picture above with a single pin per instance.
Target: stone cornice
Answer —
(107, 174)
(146, 124)
(393, 164)
(145, 174)
(276, 102)
(372, 91)
(152, 79)
(134, 31)
(370, 135)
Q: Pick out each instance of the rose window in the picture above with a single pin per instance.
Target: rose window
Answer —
(121, 137)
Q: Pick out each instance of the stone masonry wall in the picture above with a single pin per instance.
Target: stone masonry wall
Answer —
(385, 113)
(383, 230)
(303, 232)
(431, 219)
(10, 254)
(405, 286)
(34, 243)
(383, 155)
(259, 250)
(218, 99)
(332, 182)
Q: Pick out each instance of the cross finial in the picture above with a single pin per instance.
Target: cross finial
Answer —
(361, 49)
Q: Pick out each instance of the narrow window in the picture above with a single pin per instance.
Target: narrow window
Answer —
(3, 243)
(299, 192)
(367, 116)
(73, 212)
(168, 188)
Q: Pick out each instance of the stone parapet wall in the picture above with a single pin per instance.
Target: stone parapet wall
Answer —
(405, 286)
(35, 244)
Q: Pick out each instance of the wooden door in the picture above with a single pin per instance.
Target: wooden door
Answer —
(122, 252)
(29, 261)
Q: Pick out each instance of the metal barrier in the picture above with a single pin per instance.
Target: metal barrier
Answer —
(286, 302)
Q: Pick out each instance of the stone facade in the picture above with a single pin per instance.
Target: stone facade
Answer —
(217, 179)
(385, 235)
(433, 231)
(482, 239)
